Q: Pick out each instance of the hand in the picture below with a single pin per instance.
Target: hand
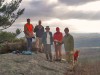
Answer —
(31, 34)
(71, 52)
(33, 37)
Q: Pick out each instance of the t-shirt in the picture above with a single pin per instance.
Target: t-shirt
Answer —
(48, 38)
(29, 27)
(29, 30)
(39, 31)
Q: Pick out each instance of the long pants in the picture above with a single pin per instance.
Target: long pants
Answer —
(47, 50)
(29, 43)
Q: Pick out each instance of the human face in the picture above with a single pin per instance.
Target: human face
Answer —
(28, 21)
(57, 29)
(39, 22)
(48, 29)
(66, 31)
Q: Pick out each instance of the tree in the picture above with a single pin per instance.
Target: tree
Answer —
(18, 31)
(9, 12)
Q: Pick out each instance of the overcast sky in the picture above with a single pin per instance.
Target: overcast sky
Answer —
(80, 16)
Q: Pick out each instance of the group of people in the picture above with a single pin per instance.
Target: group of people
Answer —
(45, 38)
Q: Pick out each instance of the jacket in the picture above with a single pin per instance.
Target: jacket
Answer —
(58, 36)
(45, 36)
(68, 43)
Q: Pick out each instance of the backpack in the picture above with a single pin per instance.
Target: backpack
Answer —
(27, 52)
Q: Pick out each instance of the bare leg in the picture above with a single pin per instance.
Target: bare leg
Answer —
(37, 44)
(60, 54)
(57, 53)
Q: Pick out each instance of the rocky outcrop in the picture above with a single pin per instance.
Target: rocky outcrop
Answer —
(35, 64)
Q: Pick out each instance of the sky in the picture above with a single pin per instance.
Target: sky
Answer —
(80, 16)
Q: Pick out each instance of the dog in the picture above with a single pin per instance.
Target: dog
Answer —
(76, 56)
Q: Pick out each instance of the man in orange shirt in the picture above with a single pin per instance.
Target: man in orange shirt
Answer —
(28, 30)
(58, 36)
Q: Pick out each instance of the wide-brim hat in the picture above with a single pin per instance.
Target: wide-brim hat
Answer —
(47, 27)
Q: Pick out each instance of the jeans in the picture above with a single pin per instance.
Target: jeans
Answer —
(29, 43)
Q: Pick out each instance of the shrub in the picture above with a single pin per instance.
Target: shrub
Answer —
(7, 36)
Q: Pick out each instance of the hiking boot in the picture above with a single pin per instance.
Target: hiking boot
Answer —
(56, 60)
(59, 60)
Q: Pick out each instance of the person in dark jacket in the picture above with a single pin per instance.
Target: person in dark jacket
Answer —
(39, 30)
(47, 40)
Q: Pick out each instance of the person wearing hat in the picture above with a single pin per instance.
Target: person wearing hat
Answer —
(47, 41)
(58, 36)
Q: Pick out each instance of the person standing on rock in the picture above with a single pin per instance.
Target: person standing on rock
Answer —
(69, 47)
(58, 36)
(39, 29)
(28, 30)
(47, 40)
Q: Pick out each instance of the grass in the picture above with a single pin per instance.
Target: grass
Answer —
(88, 67)
(88, 63)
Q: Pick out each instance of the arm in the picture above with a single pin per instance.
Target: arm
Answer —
(62, 40)
(25, 30)
(35, 29)
(43, 38)
(71, 44)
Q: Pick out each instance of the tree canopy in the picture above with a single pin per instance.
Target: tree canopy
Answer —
(9, 12)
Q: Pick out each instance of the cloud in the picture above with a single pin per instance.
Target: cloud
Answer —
(75, 2)
(39, 8)
(81, 15)
(42, 9)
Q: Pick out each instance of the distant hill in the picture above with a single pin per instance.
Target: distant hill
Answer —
(82, 39)
(87, 40)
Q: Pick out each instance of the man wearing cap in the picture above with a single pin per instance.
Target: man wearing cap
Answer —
(28, 30)
(39, 29)
(58, 36)
(47, 41)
